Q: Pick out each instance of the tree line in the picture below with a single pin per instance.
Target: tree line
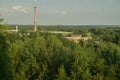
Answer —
(47, 56)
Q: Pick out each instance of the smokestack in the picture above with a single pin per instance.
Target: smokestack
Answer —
(35, 20)
(16, 28)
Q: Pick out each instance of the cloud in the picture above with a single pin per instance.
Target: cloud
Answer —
(20, 8)
(45, 0)
(5, 10)
(8, 11)
(62, 12)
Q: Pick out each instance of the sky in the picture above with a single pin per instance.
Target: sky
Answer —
(61, 12)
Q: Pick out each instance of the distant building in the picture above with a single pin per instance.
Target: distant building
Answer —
(76, 38)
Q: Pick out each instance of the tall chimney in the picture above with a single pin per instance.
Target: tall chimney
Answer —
(35, 20)
(16, 28)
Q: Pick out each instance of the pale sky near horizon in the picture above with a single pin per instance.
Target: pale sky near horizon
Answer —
(63, 12)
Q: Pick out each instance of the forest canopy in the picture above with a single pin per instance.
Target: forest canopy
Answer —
(47, 56)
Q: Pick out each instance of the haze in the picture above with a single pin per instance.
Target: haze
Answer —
(64, 12)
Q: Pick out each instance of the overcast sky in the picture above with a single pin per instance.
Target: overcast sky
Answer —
(64, 12)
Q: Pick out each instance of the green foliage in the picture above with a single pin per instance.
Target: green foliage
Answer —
(47, 56)
(1, 20)
(2, 25)
(62, 74)
(5, 63)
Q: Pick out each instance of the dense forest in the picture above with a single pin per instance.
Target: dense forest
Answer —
(47, 56)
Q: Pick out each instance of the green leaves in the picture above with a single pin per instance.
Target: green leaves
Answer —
(45, 56)
(62, 74)
(1, 20)
(5, 64)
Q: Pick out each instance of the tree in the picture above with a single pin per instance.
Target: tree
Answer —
(5, 64)
(62, 74)
(3, 26)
